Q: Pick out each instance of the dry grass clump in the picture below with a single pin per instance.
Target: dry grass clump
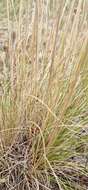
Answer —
(44, 97)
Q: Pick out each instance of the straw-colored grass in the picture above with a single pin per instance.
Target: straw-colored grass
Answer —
(44, 96)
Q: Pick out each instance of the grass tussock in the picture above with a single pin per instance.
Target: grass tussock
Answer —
(44, 96)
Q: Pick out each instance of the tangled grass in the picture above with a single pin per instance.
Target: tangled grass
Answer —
(44, 96)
